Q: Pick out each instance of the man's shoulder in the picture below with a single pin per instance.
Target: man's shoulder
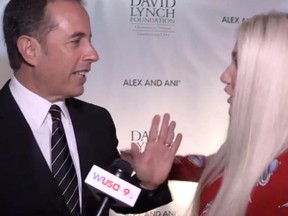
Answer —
(74, 104)
(82, 111)
(4, 90)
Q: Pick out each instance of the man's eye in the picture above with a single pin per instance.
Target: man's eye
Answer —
(75, 41)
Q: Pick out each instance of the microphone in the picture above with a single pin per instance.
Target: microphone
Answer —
(114, 185)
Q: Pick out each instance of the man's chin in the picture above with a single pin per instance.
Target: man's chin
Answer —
(76, 93)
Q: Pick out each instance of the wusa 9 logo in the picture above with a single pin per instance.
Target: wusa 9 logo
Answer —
(101, 180)
(109, 183)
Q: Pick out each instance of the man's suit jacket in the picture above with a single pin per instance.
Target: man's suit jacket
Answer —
(27, 187)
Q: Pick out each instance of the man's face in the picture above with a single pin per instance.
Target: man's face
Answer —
(66, 53)
(228, 77)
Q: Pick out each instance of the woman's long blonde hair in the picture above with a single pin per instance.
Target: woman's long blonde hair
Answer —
(258, 129)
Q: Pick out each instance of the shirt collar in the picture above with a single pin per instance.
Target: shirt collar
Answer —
(33, 105)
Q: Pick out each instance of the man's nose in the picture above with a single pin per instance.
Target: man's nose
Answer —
(91, 54)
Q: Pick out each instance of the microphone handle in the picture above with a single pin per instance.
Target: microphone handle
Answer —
(104, 206)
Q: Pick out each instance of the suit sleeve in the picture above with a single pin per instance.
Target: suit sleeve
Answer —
(148, 199)
(106, 136)
(187, 168)
(184, 168)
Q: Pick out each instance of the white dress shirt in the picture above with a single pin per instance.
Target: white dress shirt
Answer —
(36, 112)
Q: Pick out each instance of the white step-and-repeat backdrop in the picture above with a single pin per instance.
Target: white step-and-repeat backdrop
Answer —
(159, 56)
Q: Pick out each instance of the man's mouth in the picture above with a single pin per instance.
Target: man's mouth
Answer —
(81, 73)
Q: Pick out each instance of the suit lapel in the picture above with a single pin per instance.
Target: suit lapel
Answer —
(80, 131)
(22, 139)
(27, 156)
(86, 154)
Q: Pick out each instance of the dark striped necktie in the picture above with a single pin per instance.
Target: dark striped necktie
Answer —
(62, 165)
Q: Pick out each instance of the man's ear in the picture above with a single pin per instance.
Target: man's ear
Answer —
(29, 48)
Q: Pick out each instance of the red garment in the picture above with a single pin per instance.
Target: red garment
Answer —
(268, 198)
(188, 168)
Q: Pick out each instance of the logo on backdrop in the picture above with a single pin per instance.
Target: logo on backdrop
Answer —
(233, 20)
(153, 17)
(140, 138)
(150, 83)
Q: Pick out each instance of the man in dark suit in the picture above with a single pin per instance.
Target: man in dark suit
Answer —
(50, 51)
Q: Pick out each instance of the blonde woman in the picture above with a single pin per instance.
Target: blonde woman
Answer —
(249, 173)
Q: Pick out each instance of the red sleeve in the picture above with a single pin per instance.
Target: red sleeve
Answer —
(187, 168)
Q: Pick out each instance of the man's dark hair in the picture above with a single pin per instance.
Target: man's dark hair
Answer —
(25, 17)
